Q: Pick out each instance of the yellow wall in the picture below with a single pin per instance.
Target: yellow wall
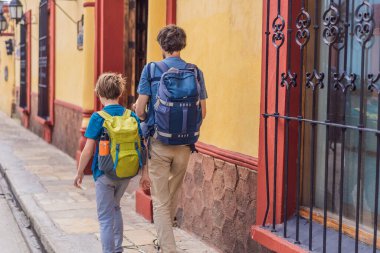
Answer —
(7, 88)
(69, 60)
(224, 40)
(156, 20)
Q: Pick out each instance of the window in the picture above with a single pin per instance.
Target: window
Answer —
(23, 67)
(43, 62)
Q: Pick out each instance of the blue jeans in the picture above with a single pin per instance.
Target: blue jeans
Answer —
(108, 195)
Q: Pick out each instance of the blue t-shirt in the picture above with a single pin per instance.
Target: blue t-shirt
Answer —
(95, 129)
(146, 88)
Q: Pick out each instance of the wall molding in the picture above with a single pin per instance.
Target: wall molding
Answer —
(89, 4)
(228, 156)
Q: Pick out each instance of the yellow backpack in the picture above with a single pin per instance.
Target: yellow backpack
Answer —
(125, 158)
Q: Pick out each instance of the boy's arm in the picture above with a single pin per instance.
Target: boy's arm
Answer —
(85, 157)
(203, 106)
(140, 106)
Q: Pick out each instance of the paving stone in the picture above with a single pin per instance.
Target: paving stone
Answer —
(207, 194)
(229, 204)
(208, 167)
(77, 225)
(198, 175)
(243, 172)
(219, 163)
(148, 249)
(63, 215)
(230, 176)
(218, 184)
(139, 237)
(218, 214)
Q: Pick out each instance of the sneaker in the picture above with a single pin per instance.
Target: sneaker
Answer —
(156, 245)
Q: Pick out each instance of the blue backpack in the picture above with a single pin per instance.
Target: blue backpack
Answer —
(177, 109)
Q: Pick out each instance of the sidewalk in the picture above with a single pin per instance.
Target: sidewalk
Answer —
(41, 178)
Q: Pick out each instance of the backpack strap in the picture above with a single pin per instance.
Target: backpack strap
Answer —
(162, 66)
(127, 113)
(105, 115)
(151, 69)
(197, 71)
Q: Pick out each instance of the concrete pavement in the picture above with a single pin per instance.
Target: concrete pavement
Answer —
(11, 239)
(64, 217)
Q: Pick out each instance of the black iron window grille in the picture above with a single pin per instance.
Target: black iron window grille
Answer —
(23, 67)
(43, 61)
(337, 82)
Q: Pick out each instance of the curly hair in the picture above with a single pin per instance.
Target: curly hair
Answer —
(110, 85)
(172, 38)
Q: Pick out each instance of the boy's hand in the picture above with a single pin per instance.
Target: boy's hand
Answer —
(78, 179)
(145, 182)
(133, 107)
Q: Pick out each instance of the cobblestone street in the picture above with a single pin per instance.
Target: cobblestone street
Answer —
(64, 217)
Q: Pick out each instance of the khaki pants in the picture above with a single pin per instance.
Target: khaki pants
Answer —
(167, 168)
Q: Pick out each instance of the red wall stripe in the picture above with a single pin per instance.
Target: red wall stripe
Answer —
(171, 12)
(228, 156)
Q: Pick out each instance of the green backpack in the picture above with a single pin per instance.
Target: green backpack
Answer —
(125, 158)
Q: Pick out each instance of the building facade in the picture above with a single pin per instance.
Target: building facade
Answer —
(63, 46)
(289, 152)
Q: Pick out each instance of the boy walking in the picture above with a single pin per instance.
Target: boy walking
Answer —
(169, 154)
(111, 187)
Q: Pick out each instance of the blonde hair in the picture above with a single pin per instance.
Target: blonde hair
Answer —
(110, 85)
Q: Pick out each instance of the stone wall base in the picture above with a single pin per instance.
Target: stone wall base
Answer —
(66, 130)
(218, 203)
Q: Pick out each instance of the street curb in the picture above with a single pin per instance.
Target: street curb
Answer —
(27, 232)
(24, 207)
(52, 238)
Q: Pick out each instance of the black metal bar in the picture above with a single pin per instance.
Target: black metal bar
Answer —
(267, 33)
(343, 132)
(302, 38)
(284, 82)
(363, 129)
(363, 32)
(277, 40)
(312, 154)
(360, 145)
(377, 177)
(377, 174)
(374, 88)
(330, 36)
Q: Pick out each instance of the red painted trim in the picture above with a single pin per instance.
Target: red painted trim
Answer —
(68, 105)
(273, 242)
(7, 34)
(261, 181)
(51, 60)
(144, 205)
(109, 39)
(228, 156)
(42, 121)
(85, 5)
(171, 12)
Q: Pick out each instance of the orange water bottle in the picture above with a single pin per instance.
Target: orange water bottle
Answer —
(104, 144)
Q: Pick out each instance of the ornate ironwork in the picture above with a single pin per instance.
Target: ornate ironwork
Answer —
(303, 22)
(288, 79)
(372, 80)
(317, 76)
(331, 20)
(344, 82)
(364, 25)
(278, 36)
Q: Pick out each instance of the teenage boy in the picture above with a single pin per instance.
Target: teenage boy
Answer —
(167, 164)
(109, 88)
